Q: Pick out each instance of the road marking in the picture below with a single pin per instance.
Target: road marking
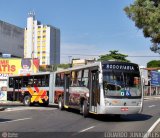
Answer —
(151, 105)
(22, 119)
(86, 129)
(151, 129)
(29, 108)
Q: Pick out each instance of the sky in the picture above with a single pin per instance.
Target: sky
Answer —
(89, 28)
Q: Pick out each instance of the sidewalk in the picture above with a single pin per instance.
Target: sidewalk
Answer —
(5, 104)
(10, 103)
(152, 97)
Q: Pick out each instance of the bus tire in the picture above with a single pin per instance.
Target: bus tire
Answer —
(27, 100)
(60, 103)
(85, 109)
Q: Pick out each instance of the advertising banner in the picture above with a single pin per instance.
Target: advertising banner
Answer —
(155, 78)
(15, 66)
(3, 89)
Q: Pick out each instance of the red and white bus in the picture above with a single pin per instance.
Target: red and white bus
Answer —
(100, 88)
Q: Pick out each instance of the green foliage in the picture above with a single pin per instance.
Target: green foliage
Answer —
(146, 15)
(53, 67)
(114, 55)
(64, 66)
(153, 63)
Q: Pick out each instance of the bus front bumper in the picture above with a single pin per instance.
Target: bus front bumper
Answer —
(120, 110)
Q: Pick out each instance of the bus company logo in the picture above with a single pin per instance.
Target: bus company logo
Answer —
(118, 67)
(37, 95)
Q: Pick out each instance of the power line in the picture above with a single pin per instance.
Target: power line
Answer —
(100, 55)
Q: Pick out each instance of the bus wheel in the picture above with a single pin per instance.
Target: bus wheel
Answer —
(85, 109)
(27, 100)
(60, 103)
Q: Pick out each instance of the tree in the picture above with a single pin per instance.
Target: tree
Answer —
(54, 67)
(153, 63)
(146, 15)
(114, 55)
(64, 66)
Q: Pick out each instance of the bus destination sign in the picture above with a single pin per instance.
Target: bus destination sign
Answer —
(124, 67)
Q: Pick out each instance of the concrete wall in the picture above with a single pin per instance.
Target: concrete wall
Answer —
(11, 39)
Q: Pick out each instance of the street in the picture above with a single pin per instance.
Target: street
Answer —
(50, 119)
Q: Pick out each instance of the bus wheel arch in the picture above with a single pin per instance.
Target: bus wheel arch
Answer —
(27, 100)
(85, 108)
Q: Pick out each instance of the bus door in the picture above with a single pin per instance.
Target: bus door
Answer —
(66, 89)
(16, 89)
(94, 91)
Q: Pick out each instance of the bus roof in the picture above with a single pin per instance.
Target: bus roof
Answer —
(80, 67)
(98, 63)
(31, 74)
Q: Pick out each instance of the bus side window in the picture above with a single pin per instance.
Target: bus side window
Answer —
(10, 82)
(85, 78)
(58, 79)
(25, 82)
(30, 81)
(47, 80)
(74, 78)
(79, 78)
(62, 80)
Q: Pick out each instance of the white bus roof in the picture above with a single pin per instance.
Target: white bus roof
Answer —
(31, 74)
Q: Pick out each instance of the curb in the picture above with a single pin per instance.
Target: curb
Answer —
(148, 98)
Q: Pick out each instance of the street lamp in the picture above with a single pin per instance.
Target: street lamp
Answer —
(69, 57)
(70, 64)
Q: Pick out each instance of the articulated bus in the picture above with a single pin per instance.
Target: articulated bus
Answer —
(100, 88)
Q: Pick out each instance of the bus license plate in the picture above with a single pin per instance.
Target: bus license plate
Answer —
(124, 108)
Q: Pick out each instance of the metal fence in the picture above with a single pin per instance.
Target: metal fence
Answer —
(151, 90)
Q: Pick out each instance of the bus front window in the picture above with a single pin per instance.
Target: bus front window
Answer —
(121, 84)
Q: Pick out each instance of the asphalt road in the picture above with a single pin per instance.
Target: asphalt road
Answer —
(72, 124)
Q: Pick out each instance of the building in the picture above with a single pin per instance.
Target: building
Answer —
(41, 41)
(11, 40)
(80, 62)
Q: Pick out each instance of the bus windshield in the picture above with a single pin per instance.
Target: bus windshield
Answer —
(122, 84)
